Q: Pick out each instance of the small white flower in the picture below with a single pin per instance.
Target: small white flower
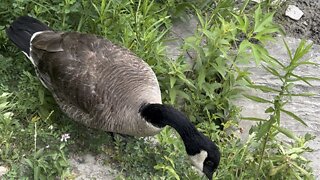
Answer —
(65, 137)
(50, 127)
(47, 146)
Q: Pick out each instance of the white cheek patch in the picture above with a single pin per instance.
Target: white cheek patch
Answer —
(32, 37)
(198, 159)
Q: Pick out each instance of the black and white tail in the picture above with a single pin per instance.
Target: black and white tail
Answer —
(21, 30)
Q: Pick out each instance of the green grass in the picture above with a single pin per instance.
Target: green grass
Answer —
(31, 124)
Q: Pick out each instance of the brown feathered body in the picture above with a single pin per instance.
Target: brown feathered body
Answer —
(96, 82)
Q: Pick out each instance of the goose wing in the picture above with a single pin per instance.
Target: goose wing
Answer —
(94, 80)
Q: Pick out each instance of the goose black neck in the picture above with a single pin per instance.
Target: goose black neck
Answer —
(161, 115)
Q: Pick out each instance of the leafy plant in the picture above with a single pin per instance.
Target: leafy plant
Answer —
(290, 160)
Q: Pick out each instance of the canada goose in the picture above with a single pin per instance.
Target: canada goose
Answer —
(105, 86)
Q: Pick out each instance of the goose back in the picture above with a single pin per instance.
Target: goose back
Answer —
(96, 82)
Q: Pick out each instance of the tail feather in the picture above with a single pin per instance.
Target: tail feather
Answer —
(21, 31)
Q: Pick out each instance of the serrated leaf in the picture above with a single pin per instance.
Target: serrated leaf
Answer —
(257, 99)
(286, 132)
(294, 116)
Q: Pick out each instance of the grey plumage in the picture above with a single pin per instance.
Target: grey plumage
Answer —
(96, 82)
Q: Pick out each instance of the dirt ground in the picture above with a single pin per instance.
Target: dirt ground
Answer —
(308, 26)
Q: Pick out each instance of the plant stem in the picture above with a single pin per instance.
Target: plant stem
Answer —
(244, 6)
(262, 154)
(35, 136)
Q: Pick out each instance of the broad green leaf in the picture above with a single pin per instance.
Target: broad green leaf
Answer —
(41, 95)
(264, 129)
(294, 116)
(173, 95)
(209, 34)
(39, 153)
(244, 46)
(183, 95)
(4, 105)
(246, 23)
(36, 172)
(185, 80)
(29, 162)
(200, 18)
(172, 81)
(269, 110)
(267, 32)
(257, 14)
(221, 69)
(286, 132)
(264, 22)
(256, 54)
(275, 170)
(257, 99)
(241, 22)
(201, 77)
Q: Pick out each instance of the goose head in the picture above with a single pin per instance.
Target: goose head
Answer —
(203, 152)
(204, 155)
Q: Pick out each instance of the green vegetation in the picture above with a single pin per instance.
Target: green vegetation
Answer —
(33, 131)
